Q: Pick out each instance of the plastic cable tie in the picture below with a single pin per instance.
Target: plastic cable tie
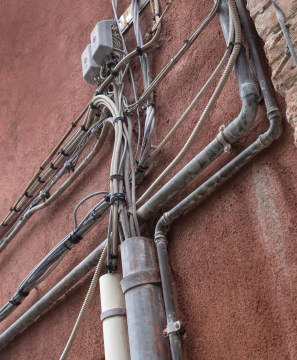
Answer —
(112, 256)
(117, 176)
(41, 168)
(73, 124)
(27, 195)
(120, 197)
(233, 43)
(62, 152)
(52, 166)
(23, 293)
(138, 49)
(140, 168)
(14, 302)
(40, 181)
(119, 118)
(92, 106)
(114, 73)
(44, 194)
(96, 93)
(14, 209)
(66, 246)
(110, 267)
(154, 16)
(83, 128)
(148, 105)
(74, 238)
(4, 225)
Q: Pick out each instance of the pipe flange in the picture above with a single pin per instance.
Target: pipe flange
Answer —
(222, 140)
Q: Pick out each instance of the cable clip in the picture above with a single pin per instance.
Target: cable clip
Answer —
(114, 73)
(173, 327)
(83, 128)
(138, 49)
(14, 302)
(74, 238)
(52, 166)
(232, 44)
(139, 168)
(40, 181)
(110, 267)
(119, 118)
(110, 199)
(92, 106)
(222, 140)
(117, 176)
(69, 166)
(44, 195)
(62, 152)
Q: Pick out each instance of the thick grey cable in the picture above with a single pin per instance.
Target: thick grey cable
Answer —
(85, 304)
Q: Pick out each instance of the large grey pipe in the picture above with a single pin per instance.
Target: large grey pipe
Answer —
(234, 131)
(53, 295)
(141, 285)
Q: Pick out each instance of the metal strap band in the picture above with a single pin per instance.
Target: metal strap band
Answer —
(140, 278)
(112, 312)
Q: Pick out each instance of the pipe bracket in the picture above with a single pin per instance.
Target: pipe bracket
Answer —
(173, 327)
(140, 278)
(112, 312)
(222, 140)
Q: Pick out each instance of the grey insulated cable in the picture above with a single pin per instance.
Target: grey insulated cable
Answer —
(51, 260)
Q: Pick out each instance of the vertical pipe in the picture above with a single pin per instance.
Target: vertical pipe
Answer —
(113, 318)
(174, 337)
(257, 55)
(144, 303)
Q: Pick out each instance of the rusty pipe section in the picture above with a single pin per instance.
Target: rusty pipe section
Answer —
(141, 285)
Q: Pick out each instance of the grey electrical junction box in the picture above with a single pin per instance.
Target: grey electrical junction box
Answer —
(90, 69)
(101, 41)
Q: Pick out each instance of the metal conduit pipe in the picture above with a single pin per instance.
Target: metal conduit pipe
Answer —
(227, 136)
(141, 285)
(174, 327)
(227, 171)
(52, 296)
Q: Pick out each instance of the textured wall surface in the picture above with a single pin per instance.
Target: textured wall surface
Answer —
(269, 29)
(233, 257)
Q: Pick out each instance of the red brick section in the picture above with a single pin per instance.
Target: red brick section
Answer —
(233, 257)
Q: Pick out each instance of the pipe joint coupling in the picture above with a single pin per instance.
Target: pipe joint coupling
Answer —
(221, 139)
(160, 237)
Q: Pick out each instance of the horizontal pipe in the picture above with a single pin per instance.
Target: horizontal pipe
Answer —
(53, 295)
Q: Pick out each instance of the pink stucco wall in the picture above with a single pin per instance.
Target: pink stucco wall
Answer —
(233, 257)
